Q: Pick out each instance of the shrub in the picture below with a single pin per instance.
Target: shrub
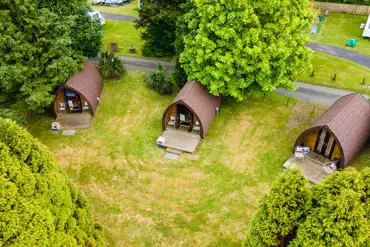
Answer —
(110, 65)
(160, 81)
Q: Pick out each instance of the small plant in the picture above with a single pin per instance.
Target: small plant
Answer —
(160, 81)
(110, 65)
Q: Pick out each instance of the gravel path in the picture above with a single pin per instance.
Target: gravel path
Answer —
(341, 52)
(118, 17)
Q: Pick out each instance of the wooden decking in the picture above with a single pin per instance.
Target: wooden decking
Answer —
(313, 166)
(74, 120)
(181, 140)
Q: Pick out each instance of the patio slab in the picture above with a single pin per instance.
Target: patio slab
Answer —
(180, 140)
(312, 170)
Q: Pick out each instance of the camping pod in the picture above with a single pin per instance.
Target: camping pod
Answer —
(80, 94)
(192, 110)
(340, 132)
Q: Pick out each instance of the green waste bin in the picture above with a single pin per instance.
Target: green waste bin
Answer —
(352, 42)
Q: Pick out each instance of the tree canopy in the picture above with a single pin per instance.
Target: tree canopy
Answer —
(42, 43)
(234, 47)
(333, 213)
(280, 211)
(39, 206)
(158, 21)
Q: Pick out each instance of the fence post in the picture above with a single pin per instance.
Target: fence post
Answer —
(287, 103)
(335, 77)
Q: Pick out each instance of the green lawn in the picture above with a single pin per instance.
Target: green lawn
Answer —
(339, 27)
(204, 199)
(124, 33)
(349, 74)
(129, 9)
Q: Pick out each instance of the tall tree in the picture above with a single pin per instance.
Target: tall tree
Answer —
(158, 20)
(42, 44)
(36, 53)
(86, 33)
(279, 212)
(39, 206)
(239, 46)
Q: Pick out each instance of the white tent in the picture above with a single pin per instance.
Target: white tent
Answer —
(366, 32)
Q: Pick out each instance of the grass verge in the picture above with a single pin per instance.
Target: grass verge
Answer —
(129, 9)
(339, 27)
(349, 75)
(124, 33)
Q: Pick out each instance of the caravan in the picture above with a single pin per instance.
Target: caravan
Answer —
(96, 15)
(366, 32)
(110, 2)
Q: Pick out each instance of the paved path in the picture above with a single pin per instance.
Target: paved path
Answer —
(118, 17)
(143, 64)
(314, 93)
(341, 52)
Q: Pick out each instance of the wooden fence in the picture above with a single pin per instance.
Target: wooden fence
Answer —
(343, 8)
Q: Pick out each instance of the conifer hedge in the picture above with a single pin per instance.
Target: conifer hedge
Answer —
(39, 206)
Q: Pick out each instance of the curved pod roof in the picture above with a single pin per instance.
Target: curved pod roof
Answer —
(348, 119)
(89, 83)
(196, 98)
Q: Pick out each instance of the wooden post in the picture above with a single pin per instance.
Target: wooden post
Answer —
(264, 95)
(335, 77)
(287, 102)
(363, 81)
(313, 110)
(313, 73)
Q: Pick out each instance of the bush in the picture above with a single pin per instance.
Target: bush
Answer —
(110, 65)
(160, 81)
(15, 113)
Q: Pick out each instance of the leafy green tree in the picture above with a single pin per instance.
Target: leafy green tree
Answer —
(160, 81)
(236, 47)
(39, 206)
(36, 54)
(279, 212)
(180, 76)
(86, 34)
(110, 65)
(42, 43)
(158, 20)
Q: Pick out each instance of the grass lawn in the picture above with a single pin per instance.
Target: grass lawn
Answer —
(340, 27)
(349, 74)
(124, 33)
(129, 9)
(204, 199)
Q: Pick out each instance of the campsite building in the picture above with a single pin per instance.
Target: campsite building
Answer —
(335, 138)
(77, 100)
(188, 118)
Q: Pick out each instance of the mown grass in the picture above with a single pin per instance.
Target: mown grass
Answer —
(339, 28)
(204, 199)
(129, 9)
(124, 33)
(349, 76)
